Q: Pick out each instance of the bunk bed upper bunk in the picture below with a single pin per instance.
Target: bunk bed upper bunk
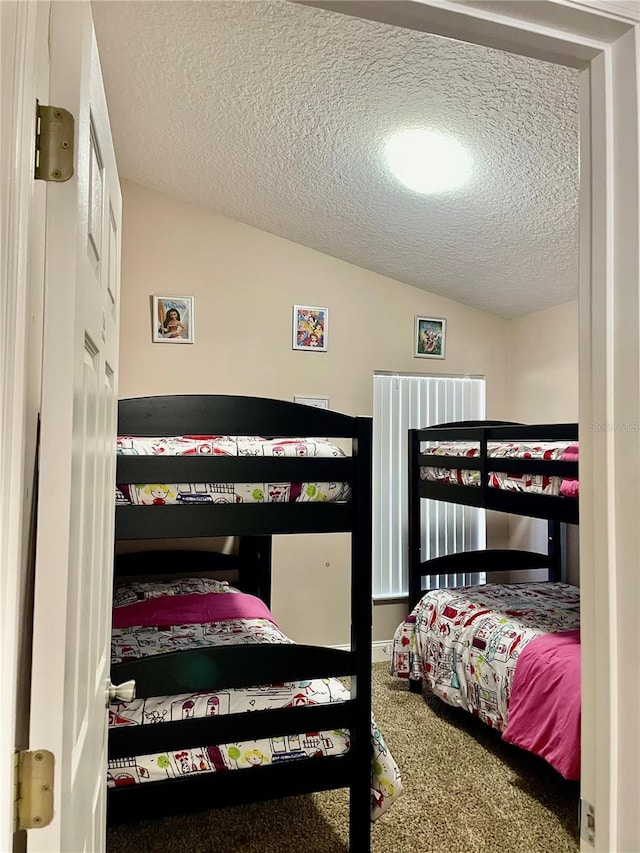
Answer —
(524, 469)
(271, 453)
(521, 469)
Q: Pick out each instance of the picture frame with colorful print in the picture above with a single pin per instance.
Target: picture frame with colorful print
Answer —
(310, 328)
(173, 320)
(429, 337)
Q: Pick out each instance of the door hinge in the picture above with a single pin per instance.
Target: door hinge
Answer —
(587, 822)
(54, 144)
(33, 789)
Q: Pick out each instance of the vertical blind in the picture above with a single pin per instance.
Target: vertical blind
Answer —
(402, 402)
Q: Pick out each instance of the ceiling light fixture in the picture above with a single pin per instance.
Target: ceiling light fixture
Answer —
(427, 161)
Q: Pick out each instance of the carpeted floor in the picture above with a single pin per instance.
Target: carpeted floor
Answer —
(465, 792)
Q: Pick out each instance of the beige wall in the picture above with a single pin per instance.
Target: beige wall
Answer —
(245, 282)
(543, 388)
(543, 366)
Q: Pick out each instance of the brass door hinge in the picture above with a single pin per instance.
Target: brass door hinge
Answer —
(54, 144)
(33, 789)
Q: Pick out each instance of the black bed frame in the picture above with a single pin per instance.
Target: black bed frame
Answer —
(555, 509)
(246, 666)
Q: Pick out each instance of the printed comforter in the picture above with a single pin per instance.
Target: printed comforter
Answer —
(145, 623)
(536, 483)
(467, 643)
(157, 494)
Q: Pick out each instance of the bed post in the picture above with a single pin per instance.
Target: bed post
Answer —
(555, 541)
(361, 621)
(255, 566)
(414, 536)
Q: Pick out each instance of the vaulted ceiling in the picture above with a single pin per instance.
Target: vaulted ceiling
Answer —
(276, 114)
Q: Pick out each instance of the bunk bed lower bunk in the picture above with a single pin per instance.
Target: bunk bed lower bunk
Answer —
(201, 652)
(507, 653)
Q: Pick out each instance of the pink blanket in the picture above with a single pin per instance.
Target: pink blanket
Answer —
(191, 609)
(544, 708)
(570, 488)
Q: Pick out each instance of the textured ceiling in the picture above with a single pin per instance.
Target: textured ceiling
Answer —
(275, 114)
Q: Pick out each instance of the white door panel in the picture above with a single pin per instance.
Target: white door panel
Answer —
(77, 473)
(24, 76)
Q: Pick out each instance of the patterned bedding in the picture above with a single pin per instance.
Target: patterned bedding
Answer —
(155, 494)
(465, 643)
(535, 483)
(211, 615)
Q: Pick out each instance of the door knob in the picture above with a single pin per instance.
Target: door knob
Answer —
(125, 692)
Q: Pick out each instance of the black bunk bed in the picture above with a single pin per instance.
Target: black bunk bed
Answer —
(237, 666)
(555, 508)
(453, 638)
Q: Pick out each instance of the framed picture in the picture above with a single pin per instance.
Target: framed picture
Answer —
(172, 318)
(310, 328)
(429, 337)
(316, 402)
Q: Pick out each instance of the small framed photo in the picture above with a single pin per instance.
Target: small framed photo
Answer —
(429, 337)
(172, 318)
(310, 328)
(316, 402)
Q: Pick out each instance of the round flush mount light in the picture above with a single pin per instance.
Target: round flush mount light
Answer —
(427, 161)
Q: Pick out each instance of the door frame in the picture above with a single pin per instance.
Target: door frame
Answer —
(605, 44)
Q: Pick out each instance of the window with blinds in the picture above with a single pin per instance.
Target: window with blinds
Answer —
(402, 402)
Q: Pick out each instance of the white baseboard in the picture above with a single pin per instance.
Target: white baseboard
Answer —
(380, 650)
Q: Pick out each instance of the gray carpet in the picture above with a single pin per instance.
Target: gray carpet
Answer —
(465, 791)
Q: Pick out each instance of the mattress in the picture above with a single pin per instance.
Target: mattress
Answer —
(154, 618)
(158, 494)
(533, 483)
(467, 645)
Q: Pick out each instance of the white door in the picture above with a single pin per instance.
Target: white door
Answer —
(74, 538)
(24, 76)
